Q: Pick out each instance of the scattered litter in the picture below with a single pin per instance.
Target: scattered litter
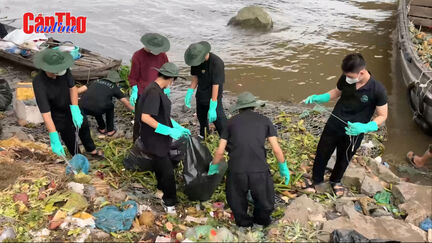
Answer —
(147, 218)
(112, 219)
(196, 220)
(426, 224)
(383, 197)
(76, 187)
(79, 163)
(75, 203)
(331, 77)
(8, 233)
(378, 56)
(162, 239)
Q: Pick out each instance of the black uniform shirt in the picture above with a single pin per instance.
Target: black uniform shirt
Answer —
(98, 97)
(357, 105)
(246, 134)
(209, 73)
(154, 102)
(52, 95)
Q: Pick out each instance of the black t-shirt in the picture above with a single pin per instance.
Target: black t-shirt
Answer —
(154, 102)
(209, 73)
(52, 95)
(246, 134)
(98, 97)
(357, 105)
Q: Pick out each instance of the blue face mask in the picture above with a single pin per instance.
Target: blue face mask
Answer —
(167, 91)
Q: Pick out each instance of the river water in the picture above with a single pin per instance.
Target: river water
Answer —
(299, 57)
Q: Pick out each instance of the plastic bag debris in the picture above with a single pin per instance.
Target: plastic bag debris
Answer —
(207, 233)
(76, 187)
(426, 224)
(137, 160)
(8, 233)
(75, 203)
(383, 197)
(79, 164)
(342, 235)
(200, 186)
(112, 219)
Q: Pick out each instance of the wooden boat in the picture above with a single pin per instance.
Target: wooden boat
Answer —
(416, 75)
(90, 66)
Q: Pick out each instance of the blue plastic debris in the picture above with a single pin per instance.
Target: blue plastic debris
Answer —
(426, 224)
(112, 219)
(79, 164)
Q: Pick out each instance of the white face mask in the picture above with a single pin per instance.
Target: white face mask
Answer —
(351, 80)
(61, 73)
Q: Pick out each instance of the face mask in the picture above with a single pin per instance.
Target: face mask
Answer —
(61, 73)
(167, 91)
(353, 80)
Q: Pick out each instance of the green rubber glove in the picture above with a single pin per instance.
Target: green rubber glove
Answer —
(167, 91)
(322, 98)
(213, 169)
(188, 97)
(56, 145)
(134, 95)
(169, 131)
(284, 172)
(357, 128)
(77, 117)
(212, 115)
(186, 132)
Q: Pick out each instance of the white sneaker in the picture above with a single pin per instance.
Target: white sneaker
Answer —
(170, 209)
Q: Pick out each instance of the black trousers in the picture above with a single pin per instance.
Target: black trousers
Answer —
(262, 189)
(109, 117)
(202, 114)
(329, 141)
(66, 129)
(137, 121)
(164, 170)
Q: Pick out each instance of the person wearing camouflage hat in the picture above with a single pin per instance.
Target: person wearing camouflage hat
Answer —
(245, 135)
(97, 100)
(157, 130)
(57, 99)
(208, 77)
(152, 55)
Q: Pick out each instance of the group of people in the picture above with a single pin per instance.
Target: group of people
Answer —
(244, 135)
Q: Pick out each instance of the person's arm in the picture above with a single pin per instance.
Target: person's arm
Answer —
(215, 92)
(149, 120)
(194, 82)
(73, 95)
(49, 124)
(219, 153)
(127, 103)
(82, 89)
(382, 112)
(276, 149)
(334, 93)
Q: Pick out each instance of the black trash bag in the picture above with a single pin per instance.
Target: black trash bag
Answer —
(137, 160)
(5, 95)
(343, 235)
(200, 186)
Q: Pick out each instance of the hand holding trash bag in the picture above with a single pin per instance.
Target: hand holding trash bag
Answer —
(186, 132)
(169, 131)
(213, 169)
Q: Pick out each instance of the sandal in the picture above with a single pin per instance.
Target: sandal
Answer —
(98, 155)
(338, 189)
(410, 157)
(309, 188)
(100, 131)
(113, 133)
